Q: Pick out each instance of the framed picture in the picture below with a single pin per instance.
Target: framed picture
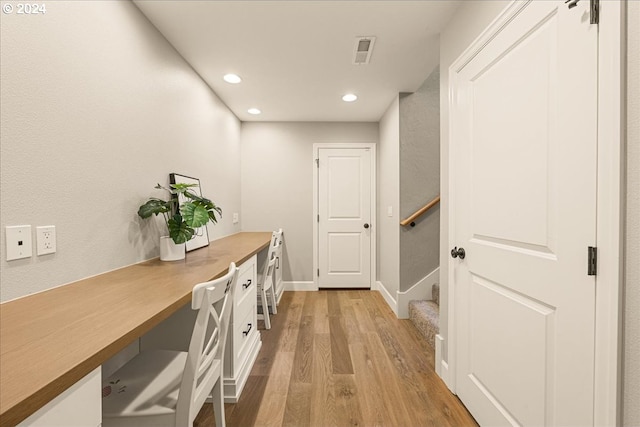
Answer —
(201, 237)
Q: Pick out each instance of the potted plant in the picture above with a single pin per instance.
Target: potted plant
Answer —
(184, 213)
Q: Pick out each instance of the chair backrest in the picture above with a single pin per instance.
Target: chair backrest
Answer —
(276, 240)
(277, 237)
(267, 278)
(213, 300)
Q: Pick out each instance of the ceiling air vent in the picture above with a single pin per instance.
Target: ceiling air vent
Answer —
(364, 47)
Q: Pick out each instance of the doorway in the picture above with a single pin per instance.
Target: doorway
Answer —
(344, 215)
(525, 170)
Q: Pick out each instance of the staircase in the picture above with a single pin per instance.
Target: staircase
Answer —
(425, 315)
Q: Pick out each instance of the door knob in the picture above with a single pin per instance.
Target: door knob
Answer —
(571, 3)
(455, 253)
(366, 225)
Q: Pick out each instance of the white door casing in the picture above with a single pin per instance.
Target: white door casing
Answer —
(523, 191)
(344, 216)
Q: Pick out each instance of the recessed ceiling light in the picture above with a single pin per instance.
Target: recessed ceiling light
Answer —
(254, 111)
(350, 97)
(232, 78)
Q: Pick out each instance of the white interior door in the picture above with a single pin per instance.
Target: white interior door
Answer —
(524, 114)
(344, 218)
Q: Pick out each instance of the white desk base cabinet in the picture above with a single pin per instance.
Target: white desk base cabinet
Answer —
(78, 406)
(243, 338)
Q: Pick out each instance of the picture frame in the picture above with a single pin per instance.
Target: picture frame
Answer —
(201, 237)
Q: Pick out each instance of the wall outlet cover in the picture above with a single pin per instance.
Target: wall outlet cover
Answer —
(18, 239)
(46, 239)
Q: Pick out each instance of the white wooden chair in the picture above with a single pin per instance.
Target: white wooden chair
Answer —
(278, 251)
(168, 388)
(276, 242)
(265, 284)
(266, 280)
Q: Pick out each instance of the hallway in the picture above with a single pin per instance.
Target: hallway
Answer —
(342, 358)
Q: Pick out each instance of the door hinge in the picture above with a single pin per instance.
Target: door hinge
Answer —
(318, 217)
(318, 272)
(595, 11)
(592, 261)
(317, 163)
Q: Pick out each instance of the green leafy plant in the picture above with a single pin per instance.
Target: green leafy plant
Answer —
(183, 213)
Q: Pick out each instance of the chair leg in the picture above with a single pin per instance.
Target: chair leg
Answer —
(265, 308)
(274, 302)
(218, 403)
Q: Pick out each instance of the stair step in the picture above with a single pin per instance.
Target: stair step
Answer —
(425, 315)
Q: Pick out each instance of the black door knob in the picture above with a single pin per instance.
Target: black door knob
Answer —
(571, 3)
(455, 253)
(366, 225)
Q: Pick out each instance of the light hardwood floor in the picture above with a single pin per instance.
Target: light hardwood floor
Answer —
(342, 358)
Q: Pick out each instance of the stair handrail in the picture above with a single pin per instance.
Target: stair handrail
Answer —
(417, 214)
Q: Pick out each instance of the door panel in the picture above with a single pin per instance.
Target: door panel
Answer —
(524, 155)
(526, 331)
(344, 188)
(344, 253)
(511, 198)
(344, 206)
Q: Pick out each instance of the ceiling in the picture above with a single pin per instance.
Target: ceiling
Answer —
(296, 57)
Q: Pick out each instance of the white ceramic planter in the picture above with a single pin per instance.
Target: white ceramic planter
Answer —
(170, 251)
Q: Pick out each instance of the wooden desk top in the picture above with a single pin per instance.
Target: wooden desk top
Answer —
(50, 340)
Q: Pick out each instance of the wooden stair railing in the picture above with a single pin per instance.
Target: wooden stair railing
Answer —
(417, 214)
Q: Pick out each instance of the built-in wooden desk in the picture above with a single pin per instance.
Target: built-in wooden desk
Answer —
(50, 340)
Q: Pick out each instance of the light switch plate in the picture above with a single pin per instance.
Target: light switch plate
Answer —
(18, 238)
(389, 211)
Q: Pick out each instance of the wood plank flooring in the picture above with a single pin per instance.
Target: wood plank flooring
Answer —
(342, 358)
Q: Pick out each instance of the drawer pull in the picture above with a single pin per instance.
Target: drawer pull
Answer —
(245, 333)
(246, 285)
(277, 262)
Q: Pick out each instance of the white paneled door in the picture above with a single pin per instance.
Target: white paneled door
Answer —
(524, 114)
(344, 217)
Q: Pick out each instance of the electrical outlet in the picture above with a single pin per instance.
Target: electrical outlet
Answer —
(18, 239)
(46, 239)
(236, 218)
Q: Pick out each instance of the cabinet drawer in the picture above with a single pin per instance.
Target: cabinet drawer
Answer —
(246, 281)
(245, 305)
(244, 330)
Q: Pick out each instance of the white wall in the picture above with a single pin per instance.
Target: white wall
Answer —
(96, 108)
(420, 181)
(469, 21)
(388, 268)
(277, 182)
(631, 366)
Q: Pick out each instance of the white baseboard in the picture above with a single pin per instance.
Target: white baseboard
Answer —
(442, 367)
(419, 291)
(299, 286)
(438, 361)
(387, 296)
